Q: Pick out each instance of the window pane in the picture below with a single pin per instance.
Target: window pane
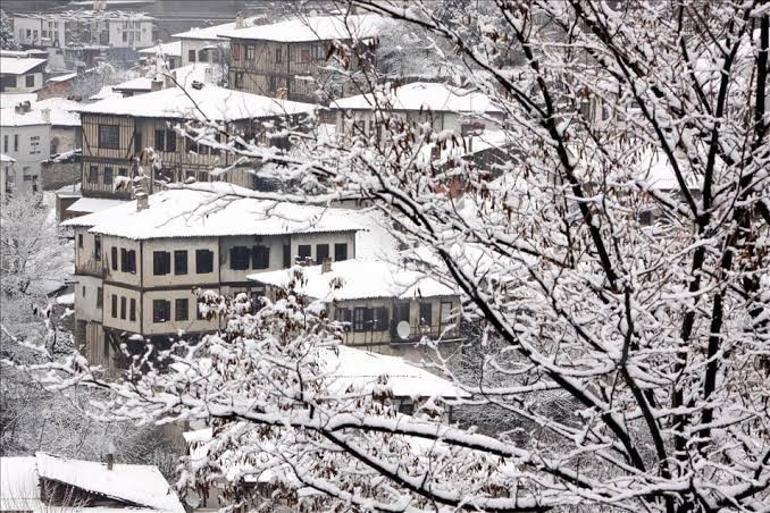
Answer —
(240, 257)
(204, 261)
(180, 262)
(114, 258)
(181, 308)
(260, 257)
(303, 251)
(161, 262)
(132, 310)
(340, 252)
(160, 310)
(426, 314)
(123, 307)
(109, 136)
(321, 252)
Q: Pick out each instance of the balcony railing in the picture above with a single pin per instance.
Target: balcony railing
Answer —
(92, 266)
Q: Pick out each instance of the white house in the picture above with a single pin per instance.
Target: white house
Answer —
(385, 307)
(44, 483)
(204, 44)
(21, 74)
(25, 135)
(446, 107)
(138, 264)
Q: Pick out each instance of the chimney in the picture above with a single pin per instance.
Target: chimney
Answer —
(142, 201)
(46, 115)
(156, 84)
(326, 265)
(110, 455)
(239, 21)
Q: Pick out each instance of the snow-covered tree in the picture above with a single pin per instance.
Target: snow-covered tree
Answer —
(7, 40)
(616, 264)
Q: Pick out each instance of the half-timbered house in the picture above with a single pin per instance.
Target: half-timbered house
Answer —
(138, 264)
(120, 136)
(288, 59)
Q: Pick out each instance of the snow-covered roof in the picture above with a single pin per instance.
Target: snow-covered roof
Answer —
(216, 103)
(422, 96)
(9, 117)
(63, 111)
(211, 33)
(142, 485)
(105, 93)
(206, 73)
(312, 28)
(172, 49)
(18, 66)
(6, 158)
(135, 84)
(352, 367)
(63, 78)
(213, 210)
(359, 279)
(90, 205)
(12, 99)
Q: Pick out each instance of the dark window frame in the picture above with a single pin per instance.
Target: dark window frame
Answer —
(159, 308)
(123, 307)
(161, 263)
(426, 320)
(340, 251)
(132, 310)
(240, 258)
(109, 136)
(321, 252)
(180, 257)
(114, 306)
(204, 259)
(184, 310)
(114, 258)
(260, 257)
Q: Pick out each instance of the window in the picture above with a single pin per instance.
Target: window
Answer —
(130, 262)
(260, 256)
(29, 80)
(93, 174)
(114, 258)
(318, 52)
(238, 80)
(122, 171)
(99, 297)
(80, 240)
(343, 315)
(180, 262)
(401, 312)
(380, 319)
(191, 55)
(123, 307)
(203, 56)
(97, 248)
(107, 176)
(250, 52)
(123, 259)
(181, 309)
(239, 258)
(235, 49)
(83, 290)
(161, 263)
(109, 136)
(15, 142)
(114, 306)
(360, 318)
(137, 143)
(303, 251)
(34, 144)
(132, 310)
(426, 314)
(321, 252)
(161, 310)
(286, 256)
(204, 261)
(340, 252)
(165, 140)
(5, 143)
(278, 56)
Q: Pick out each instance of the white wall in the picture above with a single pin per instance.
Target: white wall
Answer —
(86, 292)
(139, 33)
(197, 45)
(28, 155)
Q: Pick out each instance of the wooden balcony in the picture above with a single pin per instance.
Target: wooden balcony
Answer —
(92, 267)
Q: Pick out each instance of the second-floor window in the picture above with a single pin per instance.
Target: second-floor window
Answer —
(250, 52)
(278, 56)
(5, 143)
(132, 310)
(99, 297)
(109, 136)
(128, 260)
(123, 307)
(165, 140)
(161, 310)
(204, 261)
(97, 248)
(161, 263)
(15, 142)
(240, 258)
(34, 144)
(114, 309)
(114, 258)
(180, 262)
(260, 257)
